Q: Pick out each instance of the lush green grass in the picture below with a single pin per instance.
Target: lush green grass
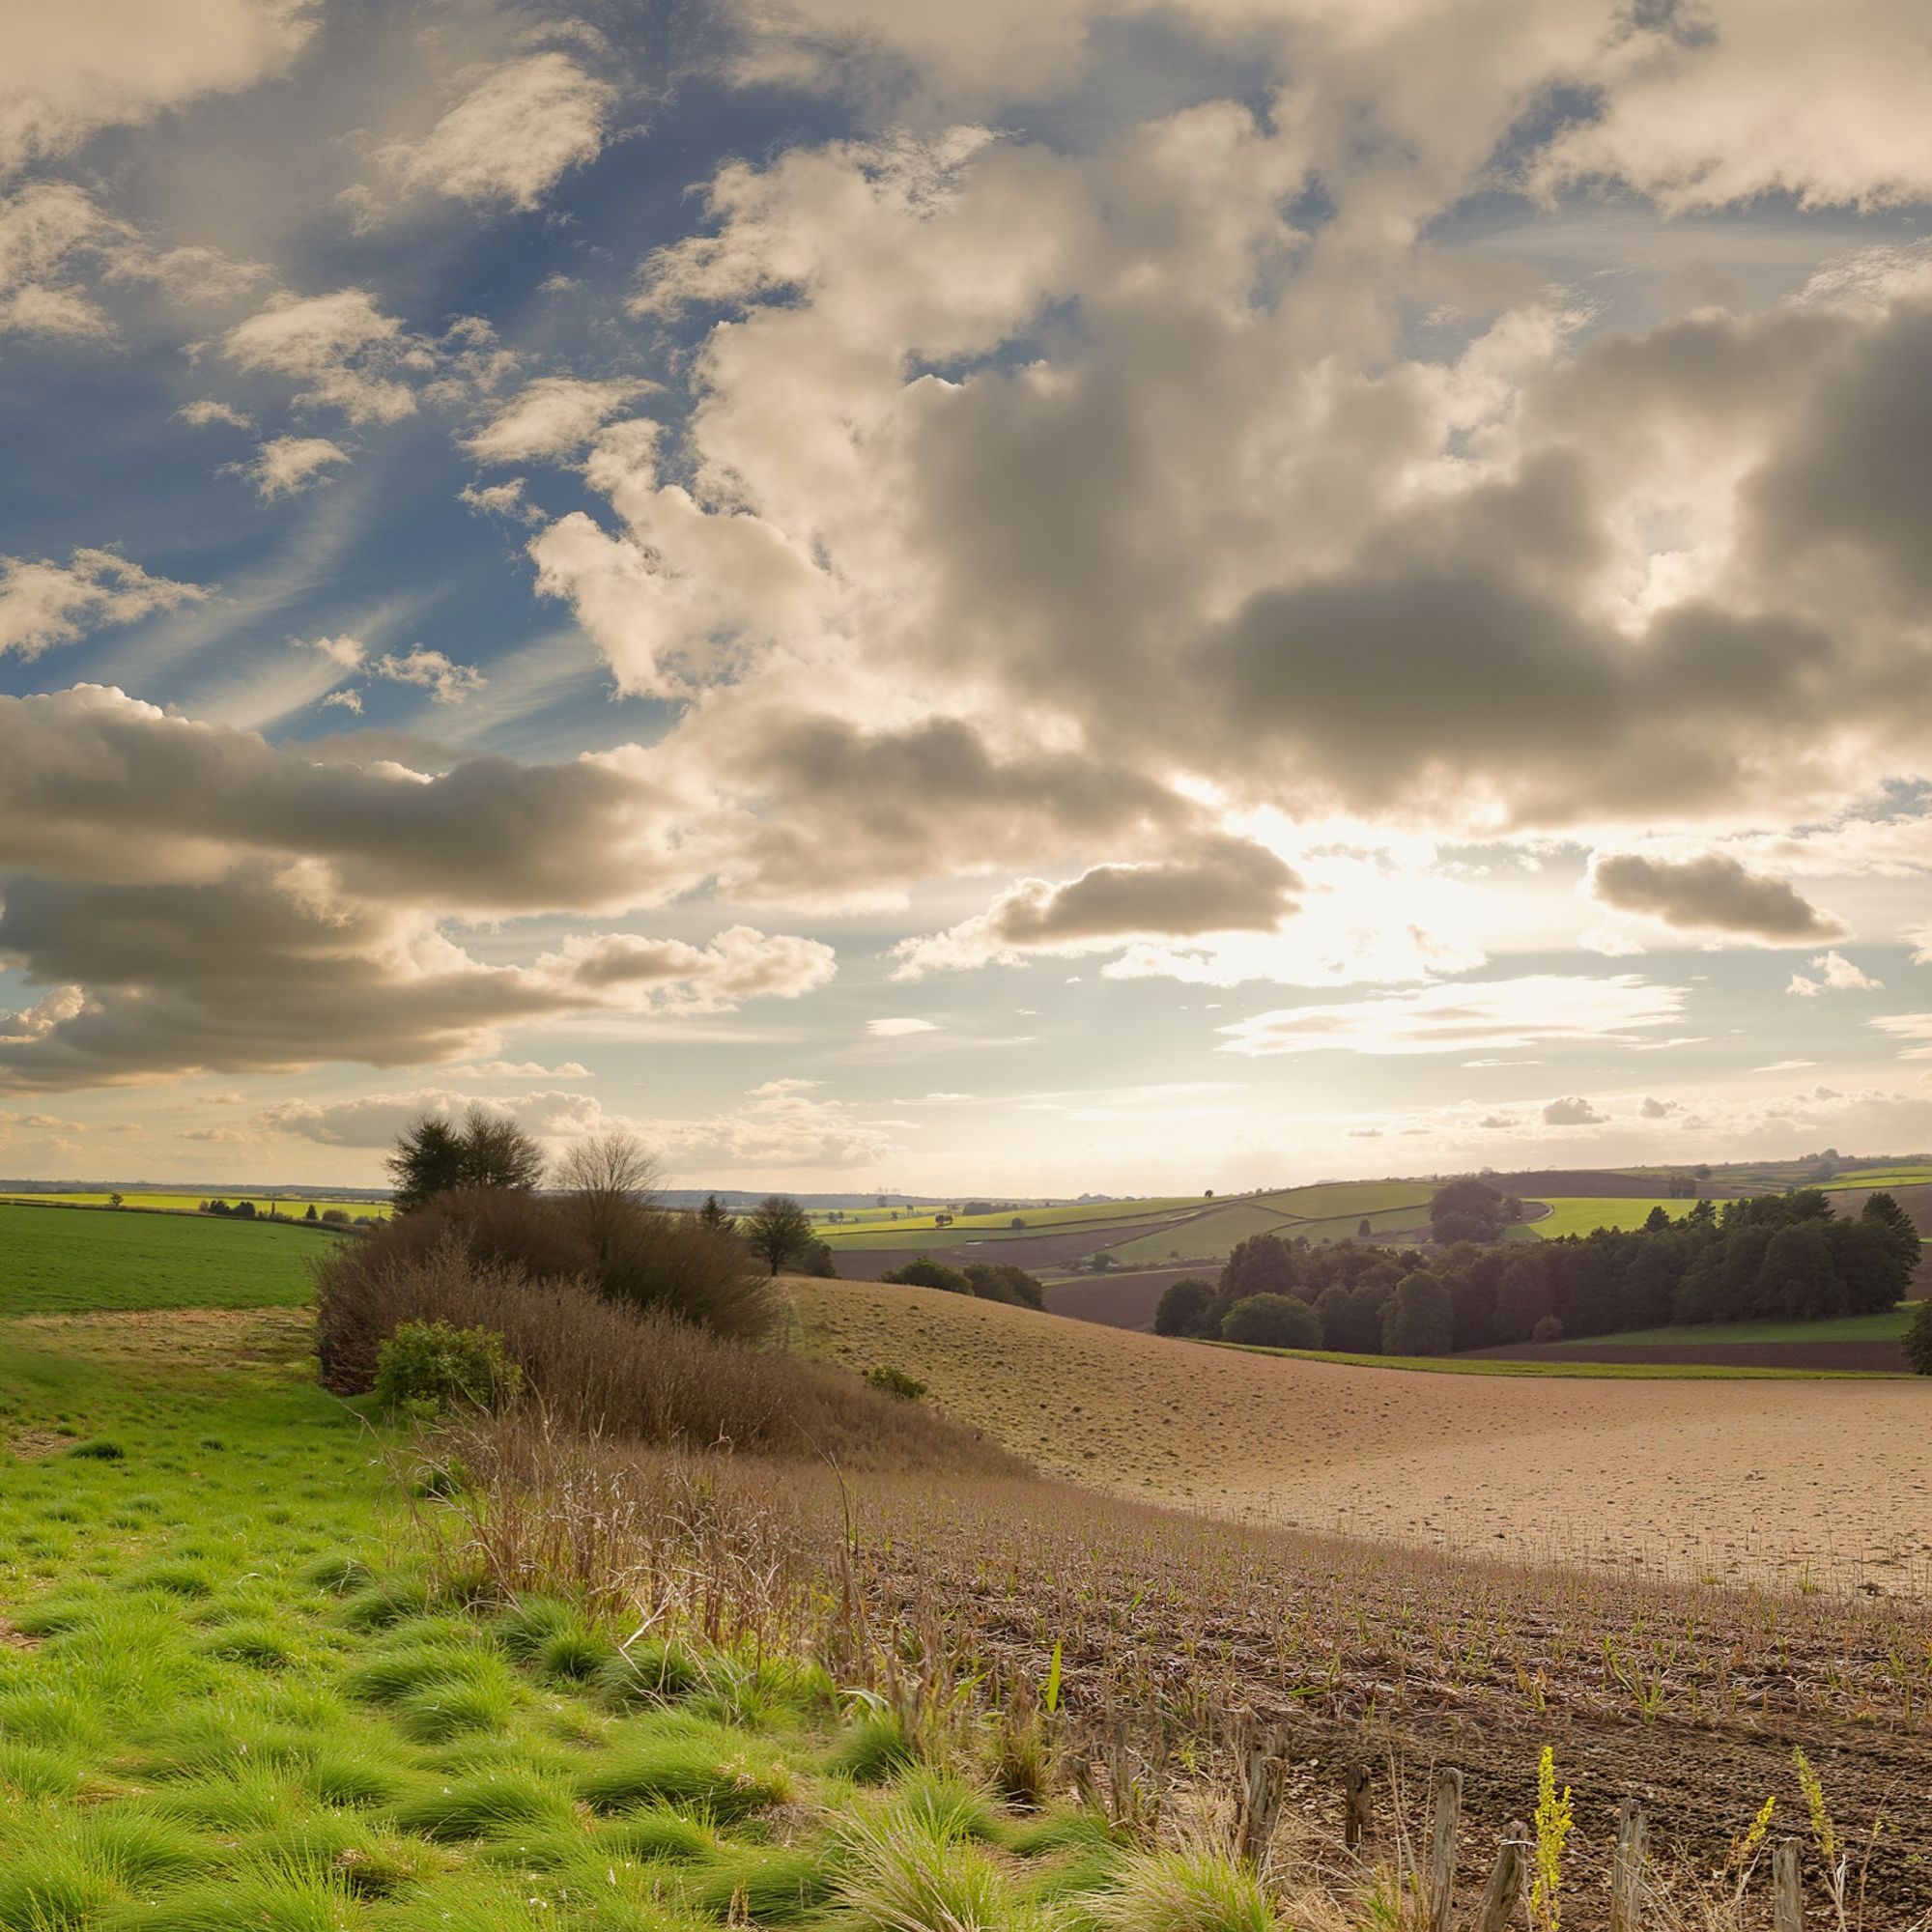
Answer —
(1625, 1371)
(175, 1202)
(65, 1260)
(1332, 1200)
(1583, 1214)
(1885, 1327)
(227, 1703)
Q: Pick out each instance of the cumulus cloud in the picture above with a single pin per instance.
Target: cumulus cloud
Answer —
(286, 464)
(1654, 1109)
(1498, 1014)
(348, 354)
(205, 410)
(1838, 975)
(1710, 892)
(43, 603)
(432, 672)
(68, 73)
(500, 499)
(515, 132)
(549, 418)
(345, 651)
(47, 232)
(674, 975)
(1222, 884)
(1573, 1111)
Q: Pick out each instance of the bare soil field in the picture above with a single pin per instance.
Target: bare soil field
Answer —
(1124, 1301)
(1825, 1482)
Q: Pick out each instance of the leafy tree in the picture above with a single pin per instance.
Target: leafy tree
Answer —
(1657, 1220)
(1883, 1213)
(313, 1213)
(926, 1272)
(1797, 1277)
(1001, 1280)
(778, 1231)
(1464, 1202)
(714, 1216)
(1919, 1340)
(1182, 1307)
(1419, 1319)
(433, 1154)
(818, 1260)
(1262, 1265)
(1523, 1297)
(116, 1201)
(1273, 1322)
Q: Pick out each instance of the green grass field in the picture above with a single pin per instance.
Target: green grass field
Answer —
(1629, 1372)
(233, 1700)
(1332, 1200)
(66, 1259)
(1583, 1214)
(1883, 1328)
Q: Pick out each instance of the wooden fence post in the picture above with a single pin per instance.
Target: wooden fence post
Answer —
(1445, 1793)
(1261, 1797)
(1360, 1817)
(1505, 1887)
(1787, 1894)
(1626, 1868)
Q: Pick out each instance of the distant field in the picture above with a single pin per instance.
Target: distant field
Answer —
(1584, 1370)
(1888, 1327)
(291, 1205)
(1575, 1216)
(1333, 1199)
(56, 1262)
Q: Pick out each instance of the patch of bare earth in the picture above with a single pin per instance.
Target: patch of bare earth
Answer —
(1826, 1483)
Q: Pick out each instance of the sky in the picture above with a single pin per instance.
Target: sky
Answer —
(1044, 596)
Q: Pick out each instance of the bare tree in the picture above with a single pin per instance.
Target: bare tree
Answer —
(611, 1180)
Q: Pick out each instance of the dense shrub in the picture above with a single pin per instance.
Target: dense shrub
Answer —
(896, 1381)
(1273, 1322)
(926, 1272)
(1001, 1280)
(448, 1368)
(641, 1376)
(1182, 1308)
(633, 1254)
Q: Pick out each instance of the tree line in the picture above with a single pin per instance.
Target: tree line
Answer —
(1774, 1256)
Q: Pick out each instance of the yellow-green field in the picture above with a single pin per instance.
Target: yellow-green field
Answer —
(177, 1202)
(1581, 1214)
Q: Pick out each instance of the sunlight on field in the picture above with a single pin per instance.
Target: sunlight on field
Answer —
(1725, 1477)
(287, 1205)
(1574, 1215)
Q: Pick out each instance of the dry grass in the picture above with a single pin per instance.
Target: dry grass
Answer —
(1729, 1479)
(637, 1376)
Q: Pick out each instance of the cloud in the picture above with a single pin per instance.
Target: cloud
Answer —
(47, 231)
(345, 651)
(349, 355)
(346, 700)
(500, 499)
(782, 1124)
(1218, 885)
(671, 974)
(1915, 1029)
(899, 1029)
(1840, 976)
(1710, 892)
(200, 413)
(549, 418)
(518, 130)
(286, 464)
(43, 603)
(1660, 1110)
(1573, 1111)
(1497, 1014)
(446, 682)
(68, 72)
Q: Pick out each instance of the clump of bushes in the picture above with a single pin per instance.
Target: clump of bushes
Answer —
(444, 1367)
(988, 1281)
(896, 1381)
(1273, 1322)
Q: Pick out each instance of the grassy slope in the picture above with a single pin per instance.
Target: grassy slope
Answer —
(1883, 1328)
(72, 1258)
(213, 1717)
(1579, 1215)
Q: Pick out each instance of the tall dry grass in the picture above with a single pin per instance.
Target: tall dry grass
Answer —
(603, 1369)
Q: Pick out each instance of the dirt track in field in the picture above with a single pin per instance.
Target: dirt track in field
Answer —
(1830, 1480)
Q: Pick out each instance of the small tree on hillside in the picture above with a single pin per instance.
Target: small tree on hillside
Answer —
(778, 1231)
(608, 1178)
(713, 1216)
(498, 1154)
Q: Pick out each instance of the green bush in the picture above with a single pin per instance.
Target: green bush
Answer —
(926, 1272)
(1183, 1306)
(1273, 1321)
(447, 1367)
(896, 1381)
